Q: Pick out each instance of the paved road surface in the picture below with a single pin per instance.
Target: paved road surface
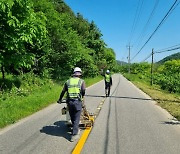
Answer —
(129, 123)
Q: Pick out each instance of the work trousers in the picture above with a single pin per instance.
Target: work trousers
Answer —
(75, 108)
(107, 87)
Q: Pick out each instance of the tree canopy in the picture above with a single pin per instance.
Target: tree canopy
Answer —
(47, 38)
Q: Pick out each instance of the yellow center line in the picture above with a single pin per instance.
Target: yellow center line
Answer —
(82, 141)
(86, 132)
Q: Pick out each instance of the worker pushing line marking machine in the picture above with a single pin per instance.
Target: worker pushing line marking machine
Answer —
(86, 119)
(74, 88)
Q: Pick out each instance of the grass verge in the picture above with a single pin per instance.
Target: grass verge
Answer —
(91, 81)
(168, 101)
(17, 105)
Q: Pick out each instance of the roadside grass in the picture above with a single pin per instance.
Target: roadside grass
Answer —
(17, 107)
(32, 96)
(168, 101)
(90, 81)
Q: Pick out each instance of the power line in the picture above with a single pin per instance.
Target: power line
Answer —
(136, 18)
(169, 50)
(134, 22)
(147, 23)
(156, 28)
(147, 57)
(172, 48)
(174, 8)
(162, 21)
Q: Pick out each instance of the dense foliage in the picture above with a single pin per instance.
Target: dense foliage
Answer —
(166, 75)
(22, 35)
(45, 37)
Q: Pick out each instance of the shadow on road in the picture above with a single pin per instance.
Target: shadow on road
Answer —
(138, 98)
(95, 96)
(59, 128)
(121, 97)
(172, 122)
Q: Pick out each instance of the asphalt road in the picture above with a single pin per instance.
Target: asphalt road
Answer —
(128, 123)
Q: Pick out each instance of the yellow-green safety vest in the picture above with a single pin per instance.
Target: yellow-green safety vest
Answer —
(74, 88)
(107, 77)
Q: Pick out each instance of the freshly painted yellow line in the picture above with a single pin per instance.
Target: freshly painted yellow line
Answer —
(82, 141)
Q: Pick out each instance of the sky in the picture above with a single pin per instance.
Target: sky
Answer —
(128, 24)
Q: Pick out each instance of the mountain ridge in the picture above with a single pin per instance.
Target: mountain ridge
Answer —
(170, 57)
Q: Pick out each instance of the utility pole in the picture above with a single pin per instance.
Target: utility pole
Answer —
(152, 66)
(129, 58)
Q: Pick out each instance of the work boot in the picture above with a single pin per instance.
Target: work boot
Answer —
(78, 133)
(74, 137)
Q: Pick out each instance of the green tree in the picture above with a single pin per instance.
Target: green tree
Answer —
(65, 32)
(110, 57)
(21, 35)
(140, 68)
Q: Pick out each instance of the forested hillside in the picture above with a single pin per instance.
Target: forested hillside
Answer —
(121, 62)
(45, 37)
(175, 56)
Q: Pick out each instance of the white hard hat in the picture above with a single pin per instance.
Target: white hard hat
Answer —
(107, 71)
(77, 71)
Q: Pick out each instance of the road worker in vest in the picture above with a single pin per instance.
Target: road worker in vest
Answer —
(75, 88)
(108, 82)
